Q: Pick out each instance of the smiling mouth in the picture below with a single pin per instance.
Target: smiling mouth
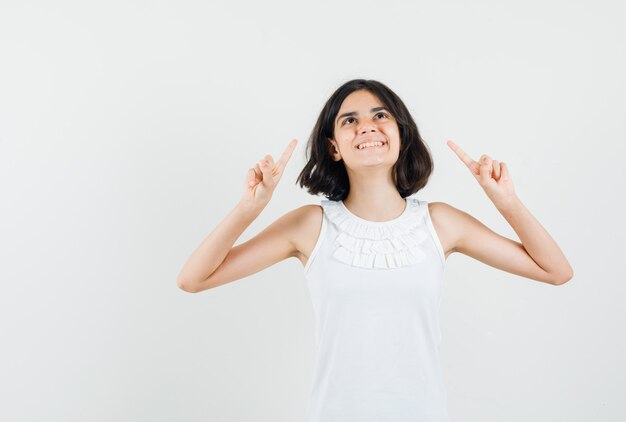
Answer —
(370, 145)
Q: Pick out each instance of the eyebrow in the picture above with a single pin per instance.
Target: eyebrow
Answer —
(354, 113)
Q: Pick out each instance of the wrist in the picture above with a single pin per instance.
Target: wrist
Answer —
(509, 206)
(250, 207)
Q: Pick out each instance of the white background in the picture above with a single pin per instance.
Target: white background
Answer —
(127, 128)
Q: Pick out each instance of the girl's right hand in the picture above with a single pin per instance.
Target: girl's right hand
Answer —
(262, 180)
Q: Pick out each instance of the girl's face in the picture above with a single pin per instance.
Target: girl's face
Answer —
(362, 118)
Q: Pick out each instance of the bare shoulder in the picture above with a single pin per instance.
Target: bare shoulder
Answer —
(448, 223)
(307, 230)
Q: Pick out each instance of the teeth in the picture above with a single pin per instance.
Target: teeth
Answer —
(369, 144)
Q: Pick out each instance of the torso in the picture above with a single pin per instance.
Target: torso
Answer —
(311, 224)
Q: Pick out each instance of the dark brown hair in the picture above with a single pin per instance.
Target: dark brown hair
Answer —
(323, 175)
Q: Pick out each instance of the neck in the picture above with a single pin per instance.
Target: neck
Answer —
(373, 196)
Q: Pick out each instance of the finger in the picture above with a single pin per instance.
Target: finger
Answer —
(462, 155)
(496, 169)
(270, 162)
(269, 159)
(485, 168)
(505, 171)
(286, 155)
(251, 177)
(268, 180)
(257, 172)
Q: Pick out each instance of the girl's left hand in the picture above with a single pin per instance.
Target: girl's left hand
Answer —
(492, 176)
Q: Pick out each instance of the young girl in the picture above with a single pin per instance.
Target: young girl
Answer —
(373, 256)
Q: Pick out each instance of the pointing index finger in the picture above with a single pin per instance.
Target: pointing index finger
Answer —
(461, 154)
(287, 153)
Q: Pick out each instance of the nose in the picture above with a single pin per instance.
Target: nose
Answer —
(367, 126)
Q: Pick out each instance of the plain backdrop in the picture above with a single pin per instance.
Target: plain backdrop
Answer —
(127, 129)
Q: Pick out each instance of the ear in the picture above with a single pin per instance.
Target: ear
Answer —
(333, 149)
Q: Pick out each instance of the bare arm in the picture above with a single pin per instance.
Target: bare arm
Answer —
(537, 242)
(537, 256)
(212, 251)
(216, 247)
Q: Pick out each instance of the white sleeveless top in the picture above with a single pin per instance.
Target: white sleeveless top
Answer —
(376, 289)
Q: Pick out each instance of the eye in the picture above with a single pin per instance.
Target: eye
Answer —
(380, 113)
(344, 122)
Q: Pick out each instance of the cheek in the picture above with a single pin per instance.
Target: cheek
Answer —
(344, 137)
(391, 127)
(393, 133)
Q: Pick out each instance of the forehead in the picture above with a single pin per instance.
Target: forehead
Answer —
(360, 99)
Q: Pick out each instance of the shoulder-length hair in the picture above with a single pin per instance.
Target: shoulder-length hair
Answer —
(323, 175)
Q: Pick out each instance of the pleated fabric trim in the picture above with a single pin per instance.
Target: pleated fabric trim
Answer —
(378, 245)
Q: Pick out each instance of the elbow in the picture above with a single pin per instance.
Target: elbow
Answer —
(564, 278)
(187, 287)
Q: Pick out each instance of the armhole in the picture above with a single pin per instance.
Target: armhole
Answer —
(433, 233)
(320, 237)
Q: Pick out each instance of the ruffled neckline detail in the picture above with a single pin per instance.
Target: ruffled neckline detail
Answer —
(378, 244)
